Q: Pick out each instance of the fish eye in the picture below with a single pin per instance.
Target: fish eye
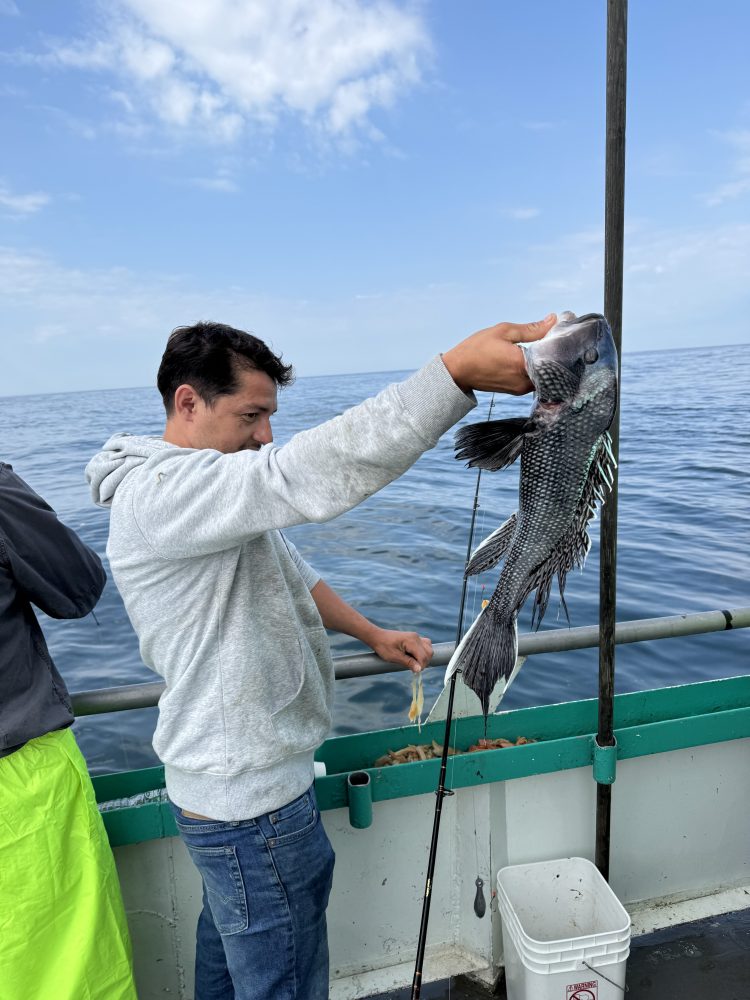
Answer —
(591, 355)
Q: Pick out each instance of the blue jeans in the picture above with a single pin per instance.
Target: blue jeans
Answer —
(266, 881)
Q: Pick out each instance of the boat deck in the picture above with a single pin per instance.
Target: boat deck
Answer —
(696, 961)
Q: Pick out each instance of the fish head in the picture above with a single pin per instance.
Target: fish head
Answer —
(576, 360)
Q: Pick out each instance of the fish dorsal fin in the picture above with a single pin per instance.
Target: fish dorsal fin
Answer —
(572, 549)
(492, 549)
(493, 444)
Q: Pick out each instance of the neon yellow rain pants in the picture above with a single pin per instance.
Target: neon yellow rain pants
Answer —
(63, 934)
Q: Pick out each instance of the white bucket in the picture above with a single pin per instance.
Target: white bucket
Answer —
(566, 935)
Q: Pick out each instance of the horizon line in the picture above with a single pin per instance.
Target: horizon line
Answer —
(375, 371)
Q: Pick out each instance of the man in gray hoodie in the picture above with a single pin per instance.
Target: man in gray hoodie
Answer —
(234, 620)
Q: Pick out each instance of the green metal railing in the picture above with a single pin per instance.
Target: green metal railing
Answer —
(645, 722)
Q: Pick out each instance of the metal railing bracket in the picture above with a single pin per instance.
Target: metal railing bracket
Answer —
(605, 762)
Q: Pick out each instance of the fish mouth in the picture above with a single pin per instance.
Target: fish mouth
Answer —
(591, 327)
(556, 363)
(568, 323)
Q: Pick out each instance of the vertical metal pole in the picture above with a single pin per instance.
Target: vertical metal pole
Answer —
(614, 232)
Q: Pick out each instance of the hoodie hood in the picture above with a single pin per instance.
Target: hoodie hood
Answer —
(119, 456)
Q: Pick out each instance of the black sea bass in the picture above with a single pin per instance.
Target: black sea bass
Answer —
(566, 467)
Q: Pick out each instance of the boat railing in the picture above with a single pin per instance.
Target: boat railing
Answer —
(133, 696)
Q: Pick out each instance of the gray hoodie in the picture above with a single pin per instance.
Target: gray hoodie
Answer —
(221, 602)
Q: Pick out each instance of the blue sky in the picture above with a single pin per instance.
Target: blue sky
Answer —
(361, 184)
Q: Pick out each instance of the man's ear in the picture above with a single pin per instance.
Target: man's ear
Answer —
(186, 401)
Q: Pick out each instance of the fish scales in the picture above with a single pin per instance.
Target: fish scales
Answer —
(566, 469)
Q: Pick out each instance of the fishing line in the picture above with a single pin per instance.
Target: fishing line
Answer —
(442, 791)
(475, 583)
(462, 606)
(479, 901)
(477, 591)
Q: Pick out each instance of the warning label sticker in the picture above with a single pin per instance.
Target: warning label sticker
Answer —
(583, 991)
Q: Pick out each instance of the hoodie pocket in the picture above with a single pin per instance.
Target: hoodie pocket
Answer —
(303, 723)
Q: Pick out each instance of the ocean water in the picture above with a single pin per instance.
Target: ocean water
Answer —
(684, 538)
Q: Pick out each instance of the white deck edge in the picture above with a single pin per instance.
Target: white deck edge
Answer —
(671, 911)
(448, 962)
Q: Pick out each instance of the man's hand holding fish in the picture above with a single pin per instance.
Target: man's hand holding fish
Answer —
(491, 361)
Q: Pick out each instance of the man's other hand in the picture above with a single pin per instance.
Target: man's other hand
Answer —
(407, 648)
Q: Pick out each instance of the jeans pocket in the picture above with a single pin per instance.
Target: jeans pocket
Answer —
(222, 877)
(293, 821)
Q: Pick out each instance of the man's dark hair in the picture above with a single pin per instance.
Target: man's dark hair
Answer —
(209, 356)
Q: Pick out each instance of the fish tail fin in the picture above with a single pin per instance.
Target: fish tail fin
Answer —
(486, 653)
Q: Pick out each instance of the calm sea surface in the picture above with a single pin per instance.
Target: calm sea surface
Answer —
(684, 538)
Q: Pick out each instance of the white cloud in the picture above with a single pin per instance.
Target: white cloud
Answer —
(739, 140)
(666, 159)
(68, 328)
(522, 213)
(682, 286)
(215, 66)
(729, 191)
(48, 331)
(78, 126)
(22, 204)
(222, 182)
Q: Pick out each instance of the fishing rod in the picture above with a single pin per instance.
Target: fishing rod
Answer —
(442, 791)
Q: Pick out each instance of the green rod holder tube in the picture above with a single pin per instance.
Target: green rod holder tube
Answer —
(605, 763)
(359, 793)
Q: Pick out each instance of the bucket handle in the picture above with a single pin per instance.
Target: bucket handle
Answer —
(624, 988)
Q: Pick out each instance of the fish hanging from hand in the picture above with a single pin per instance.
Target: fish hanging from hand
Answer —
(567, 466)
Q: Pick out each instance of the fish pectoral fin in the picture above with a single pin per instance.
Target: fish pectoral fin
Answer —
(493, 444)
(492, 549)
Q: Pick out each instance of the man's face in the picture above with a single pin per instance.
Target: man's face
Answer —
(239, 421)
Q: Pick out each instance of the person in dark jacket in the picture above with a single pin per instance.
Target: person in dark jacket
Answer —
(63, 933)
